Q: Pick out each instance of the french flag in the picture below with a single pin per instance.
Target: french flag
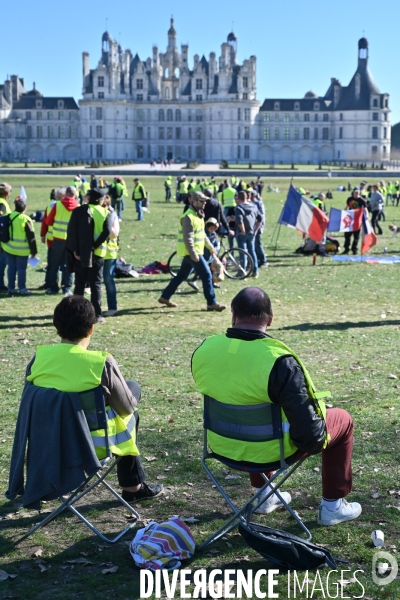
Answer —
(369, 238)
(301, 214)
(345, 220)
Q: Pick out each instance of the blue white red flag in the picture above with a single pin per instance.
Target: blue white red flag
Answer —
(369, 238)
(301, 214)
(345, 220)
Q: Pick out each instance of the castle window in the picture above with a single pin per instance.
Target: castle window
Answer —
(341, 117)
(139, 84)
(199, 97)
(28, 115)
(297, 106)
(374, 149)
(139, 133)
(247, 133)
(29, 131)
(139, 151)
(198, 133)
(72, 132)
(100, 95)
(375, 103)
(375, 116)
(245, 82)
(39, 131)
(50, 115)
(325, 133)
(148, 133)
(61, 132)
(306, 133)
(38, 104)
(199, 115)
(245, 96)
(374, 133)
(167, 93)
(286, 133)
(247, 114)
(386, 103)
(384, 149)
(140, 114)
(161, 115)
(267, 133)
(340, 133)
(39, 115)
(170, 115)
(286, 117)
(276, 116)
(296, 117)
(384, 133)
(266, 117)
(307, 117)
(178, 133)
(99, 150)
(316, 105)
(247, 151)
(60, 104)
(99, 113)
(199, 84)
(190, 152)
(190, 133)
(238, 135)
(50, 131)
(276, 133)
(316, 117)
(238, 152)
(161, 133)
(296, 133)
(385, 115)
(169, 133)
(276, 106)
(199, 151)
(99, 131)
(72, 115)
(178, 115)
(315, 133)
(139, 97)
(100, 81)
(325, 117)
(239, 114)
(61, 115)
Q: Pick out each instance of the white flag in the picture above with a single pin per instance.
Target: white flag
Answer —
(22, 193)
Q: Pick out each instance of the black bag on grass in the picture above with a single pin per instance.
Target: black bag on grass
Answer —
(123, 270)
(285, 549)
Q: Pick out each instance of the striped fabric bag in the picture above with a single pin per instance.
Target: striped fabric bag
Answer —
(162, 545)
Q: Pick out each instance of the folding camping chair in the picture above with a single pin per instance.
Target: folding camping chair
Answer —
(247, 424)
(93, 406)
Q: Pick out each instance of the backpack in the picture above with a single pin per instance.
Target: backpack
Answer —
(6, 228)
(285, 549)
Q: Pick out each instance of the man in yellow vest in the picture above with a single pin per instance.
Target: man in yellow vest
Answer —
(46, 236)
(70, 367)
(88, 230)
(58, 219)
(247, 367)
(21, 244)
(5, 192)
(138, 195)
(228, 196)
(191, 242)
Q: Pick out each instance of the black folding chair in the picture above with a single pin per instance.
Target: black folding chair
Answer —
(93, 406)
(247, 424)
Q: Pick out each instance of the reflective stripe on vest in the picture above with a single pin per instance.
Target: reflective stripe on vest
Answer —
(82, 371)
(249, 364)
(61, 220)
(99, 216)
(18, 244)
(198, 234)
(112, 249)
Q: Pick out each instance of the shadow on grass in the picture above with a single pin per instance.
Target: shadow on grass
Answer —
(341, 326)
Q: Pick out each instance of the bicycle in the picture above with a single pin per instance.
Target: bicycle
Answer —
(237, 263)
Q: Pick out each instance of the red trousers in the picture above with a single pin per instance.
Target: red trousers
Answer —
(336, 458)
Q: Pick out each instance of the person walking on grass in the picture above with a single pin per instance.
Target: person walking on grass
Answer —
(138, 195)
(21, 244)
(191, 242)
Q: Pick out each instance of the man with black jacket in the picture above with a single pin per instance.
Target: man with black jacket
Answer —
(88, 229)
(213, 209)
(283, 380)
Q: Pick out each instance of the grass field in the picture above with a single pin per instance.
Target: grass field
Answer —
(342, 319)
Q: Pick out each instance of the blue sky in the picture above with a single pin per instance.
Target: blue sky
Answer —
(299, 45)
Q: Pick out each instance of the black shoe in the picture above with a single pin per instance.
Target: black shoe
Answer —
(146, 492)
(345, 252)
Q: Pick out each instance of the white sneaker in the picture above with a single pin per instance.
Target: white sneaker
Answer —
(346, 512)
(273, 503)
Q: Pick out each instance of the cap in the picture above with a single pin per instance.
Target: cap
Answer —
(199, 196)
(5, 187)
(212, 221)
(95, 194)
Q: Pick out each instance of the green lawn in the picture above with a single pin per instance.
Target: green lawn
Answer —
(342, 319)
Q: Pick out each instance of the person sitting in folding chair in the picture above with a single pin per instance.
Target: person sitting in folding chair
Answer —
(71, 367)
(247, 367)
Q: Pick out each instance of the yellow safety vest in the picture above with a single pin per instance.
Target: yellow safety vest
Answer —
(71, 368)
(8, 209)
(228, 197)
(198, 232)
(100, 214)
(236, 372)
(49, 234)
(112, 249)
(18, 243)
(139, 192)
(183, 187)
(61, 220)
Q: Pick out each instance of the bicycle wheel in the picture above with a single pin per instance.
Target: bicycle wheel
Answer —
(238, 263)
(174, 262)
